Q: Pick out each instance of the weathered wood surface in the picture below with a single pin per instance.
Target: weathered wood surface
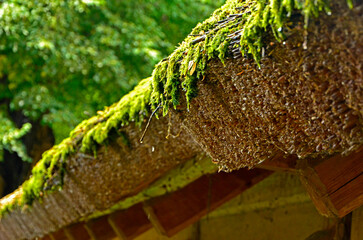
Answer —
(335, 184)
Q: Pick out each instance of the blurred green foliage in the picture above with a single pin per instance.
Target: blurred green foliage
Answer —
(62, 60)
(10, 138)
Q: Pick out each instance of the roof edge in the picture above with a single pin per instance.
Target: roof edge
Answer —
(249, 20)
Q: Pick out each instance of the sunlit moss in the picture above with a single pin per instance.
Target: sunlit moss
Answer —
(131, 108)
(256, 17)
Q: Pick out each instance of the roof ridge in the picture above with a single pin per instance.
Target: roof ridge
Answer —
(236, 29)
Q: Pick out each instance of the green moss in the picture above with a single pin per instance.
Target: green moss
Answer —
(131, 108)
(10, 202)
(255, 18)
(47, 172)
(180, 71)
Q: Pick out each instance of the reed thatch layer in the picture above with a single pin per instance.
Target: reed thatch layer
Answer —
(122, 168)
(306, 99)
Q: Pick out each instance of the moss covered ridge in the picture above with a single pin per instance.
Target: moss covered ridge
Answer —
(47, 175)
(236, 25)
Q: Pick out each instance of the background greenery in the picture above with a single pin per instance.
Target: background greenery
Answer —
(62, 60)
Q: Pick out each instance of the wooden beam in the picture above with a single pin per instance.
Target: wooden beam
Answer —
(174, 212)
(68, 234)
(334, 184)
(59, 235)
(78, 231)
(116, 229)
(101, 229)
(125, 224)
(280, 162)
(130, 223)
(357, 223)
(149, 211)
(48, 237)
(90, 231)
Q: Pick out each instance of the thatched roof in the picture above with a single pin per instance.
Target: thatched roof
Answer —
(257, 96)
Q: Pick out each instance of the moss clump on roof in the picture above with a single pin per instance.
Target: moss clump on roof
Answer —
(245, 21)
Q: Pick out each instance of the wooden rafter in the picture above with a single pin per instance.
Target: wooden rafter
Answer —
(335, 184)
(189, 204)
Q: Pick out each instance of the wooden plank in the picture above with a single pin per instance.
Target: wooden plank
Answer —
(176, 211)
(90, 231)
(101, 229)
(280, 162)
(340, 169)
(48, 237)
(335, 185)
(59, 235)
(78, 231)
(116, 229)
(348, 197)
(357, 224)
(130, 223)
(149, 211)
(68, 234)
(317, 191)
